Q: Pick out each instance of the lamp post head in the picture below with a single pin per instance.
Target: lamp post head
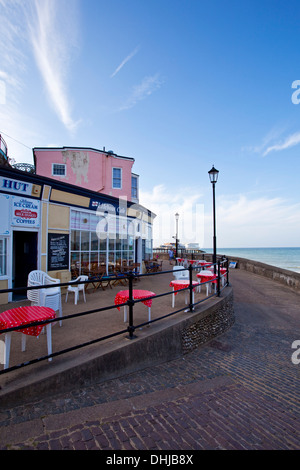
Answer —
(213, 175)
(176, 216)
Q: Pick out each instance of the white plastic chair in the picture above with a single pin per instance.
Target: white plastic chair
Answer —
(77, 288)
(198, 266)
(183, 274)
(50, 297)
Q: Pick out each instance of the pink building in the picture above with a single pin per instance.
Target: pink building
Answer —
(97, 170)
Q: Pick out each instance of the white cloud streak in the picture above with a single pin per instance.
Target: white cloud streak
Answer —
(127, 59)
(16, 124)
(147, 86)
(49, 28)
(52, 36)
(290, 141)
(271, 142)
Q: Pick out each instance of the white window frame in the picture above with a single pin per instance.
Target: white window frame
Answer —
(4, 258)
(137, 187)
(112, 183)
(60, 165)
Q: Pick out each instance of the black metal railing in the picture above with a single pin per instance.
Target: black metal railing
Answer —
(131, 328)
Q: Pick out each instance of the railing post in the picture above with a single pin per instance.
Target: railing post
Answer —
(130, 304)
(227, 272)
(191, 288)
(218, 278)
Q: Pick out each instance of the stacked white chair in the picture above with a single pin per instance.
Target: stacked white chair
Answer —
(50, 297)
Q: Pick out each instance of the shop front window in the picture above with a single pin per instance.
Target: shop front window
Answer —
(88, 247)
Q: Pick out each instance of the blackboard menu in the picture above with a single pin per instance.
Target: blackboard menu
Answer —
(58, 251)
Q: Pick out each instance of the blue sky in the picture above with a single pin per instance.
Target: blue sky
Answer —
(178, 86)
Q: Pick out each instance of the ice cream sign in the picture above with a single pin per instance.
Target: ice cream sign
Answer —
(25, 212)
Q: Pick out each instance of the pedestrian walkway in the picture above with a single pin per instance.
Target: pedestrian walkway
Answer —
(239, 391)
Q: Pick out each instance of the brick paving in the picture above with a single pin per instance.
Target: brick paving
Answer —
(238, 392)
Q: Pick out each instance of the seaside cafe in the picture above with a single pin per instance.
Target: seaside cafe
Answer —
(54, 226)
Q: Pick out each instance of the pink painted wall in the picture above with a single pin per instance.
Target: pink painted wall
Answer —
(87, 168)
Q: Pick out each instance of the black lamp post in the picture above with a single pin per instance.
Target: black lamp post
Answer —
(213, 176)
(176, 240)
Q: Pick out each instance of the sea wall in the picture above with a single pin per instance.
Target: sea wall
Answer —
(283, 276)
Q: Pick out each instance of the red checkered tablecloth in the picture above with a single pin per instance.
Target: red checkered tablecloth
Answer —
(181, 284)
(123, 296)
(206, 277)
(21, 316)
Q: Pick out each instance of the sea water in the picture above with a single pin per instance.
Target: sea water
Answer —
(286, 258)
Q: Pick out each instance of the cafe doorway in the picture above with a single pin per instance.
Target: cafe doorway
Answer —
(24, 260)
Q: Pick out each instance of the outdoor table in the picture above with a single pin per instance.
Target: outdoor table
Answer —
(181, 284)
(206, 276)
(123, 296)
(223, 271)
(22, 316)
(189, 261)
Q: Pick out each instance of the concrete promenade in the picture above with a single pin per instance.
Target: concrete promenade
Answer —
(239, 391)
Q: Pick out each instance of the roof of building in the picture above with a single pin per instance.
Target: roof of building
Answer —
(107, 152)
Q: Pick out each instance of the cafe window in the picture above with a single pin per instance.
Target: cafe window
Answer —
(3, 256)
(111, 244)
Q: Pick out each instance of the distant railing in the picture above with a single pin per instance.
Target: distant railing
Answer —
(131, 328)
(180, 251)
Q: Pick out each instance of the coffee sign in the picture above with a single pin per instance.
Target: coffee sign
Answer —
(25, 212)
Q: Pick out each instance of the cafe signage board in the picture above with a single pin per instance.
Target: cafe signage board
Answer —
(25, 212)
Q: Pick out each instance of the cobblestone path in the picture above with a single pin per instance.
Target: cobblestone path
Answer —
(240, 391)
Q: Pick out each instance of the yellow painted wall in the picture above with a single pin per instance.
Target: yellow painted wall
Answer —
(58, 217)
(3, 297)
(69, 198)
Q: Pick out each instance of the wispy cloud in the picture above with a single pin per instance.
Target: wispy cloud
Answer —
(290, 141)
(127, 59)
(16, 124)
(52, 36)
(13, 60)
(148, 86)
(273, 142)
(272, 136)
